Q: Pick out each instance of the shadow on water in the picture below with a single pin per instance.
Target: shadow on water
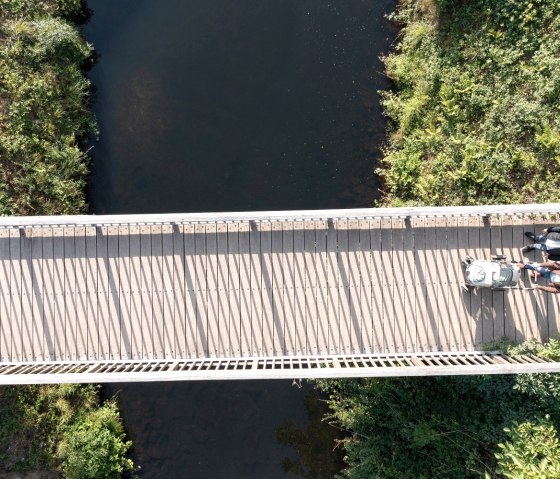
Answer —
(224, 106)
(319, 447)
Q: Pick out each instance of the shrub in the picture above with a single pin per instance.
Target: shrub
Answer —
(94, 447)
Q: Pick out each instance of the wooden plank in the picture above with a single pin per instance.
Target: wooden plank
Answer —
(26, 295)
(421, 280)
(321, 234)
(168, 279)
(525, 325)
(92, 292)
(59, 317)
(333, 278)
(81, 294)
(354, 287)
(125, 292)
(473, 329)
(288, 326)
(147, 291)
(498, 297)
(15, 299)
(267, 290)
(114, 318)
(223, 291)
(133, 343)
(191, 320)
(38, 303)
(455, 295)
(245, 288)
(409, 285)
(443, 266)
(5, 296)
(256, 294)
(212, 290)
(200, 290)
(278, 285)
(387, 283)
(541, 221)
(70, 317)
(432, 285)
(364, 274)
(466, 319)
(49, 324)
(299, 288)
(377, 290)
(512, 300)
(179, 293)
(487, 295)
(158, 319)
(234, 296)
(399, 286)
(344, 311)
(310, 291)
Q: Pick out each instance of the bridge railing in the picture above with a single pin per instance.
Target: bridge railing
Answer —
(264, 216)
(285, 367)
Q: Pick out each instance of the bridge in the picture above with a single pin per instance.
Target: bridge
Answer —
(296, 294)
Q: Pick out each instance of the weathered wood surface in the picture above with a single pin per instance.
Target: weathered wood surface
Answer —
(261, 288)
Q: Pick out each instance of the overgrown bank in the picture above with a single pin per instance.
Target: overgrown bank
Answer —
(475, 113)
(475, 119)
(451, 427)
(44, 114)
(44, 109)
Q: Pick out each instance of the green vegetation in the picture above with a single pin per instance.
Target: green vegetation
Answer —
(475, 117)
(61, 431)
(451, 427)
(53, 431)
(43, 108)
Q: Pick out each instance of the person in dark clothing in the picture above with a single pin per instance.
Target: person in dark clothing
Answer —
(548, 241)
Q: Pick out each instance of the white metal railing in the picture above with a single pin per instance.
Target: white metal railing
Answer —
(263, 216)
(283, 367)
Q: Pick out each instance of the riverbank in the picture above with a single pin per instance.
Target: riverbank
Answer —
(475, 111)
(44, 108)
(474, 119)
(51, 431)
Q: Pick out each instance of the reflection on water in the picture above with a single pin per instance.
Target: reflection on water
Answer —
(319, 447)
(219, 105)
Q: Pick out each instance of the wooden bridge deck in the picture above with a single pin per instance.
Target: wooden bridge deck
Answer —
(367, 281)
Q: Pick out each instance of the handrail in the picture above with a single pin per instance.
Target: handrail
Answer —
(268, 216)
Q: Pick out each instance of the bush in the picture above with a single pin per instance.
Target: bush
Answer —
(532, 451)
(44, 112)
(94, 447)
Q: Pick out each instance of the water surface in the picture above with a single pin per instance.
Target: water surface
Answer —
(231, 105)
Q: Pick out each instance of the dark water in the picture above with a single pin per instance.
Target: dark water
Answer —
(231, 105)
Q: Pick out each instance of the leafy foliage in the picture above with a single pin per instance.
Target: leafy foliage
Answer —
(44, 114)
(43, 109)
(94, 448)
(421, 427)
(475, 114)
(532, 451)
(43, 428)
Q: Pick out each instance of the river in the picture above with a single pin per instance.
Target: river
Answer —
(220, 105)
